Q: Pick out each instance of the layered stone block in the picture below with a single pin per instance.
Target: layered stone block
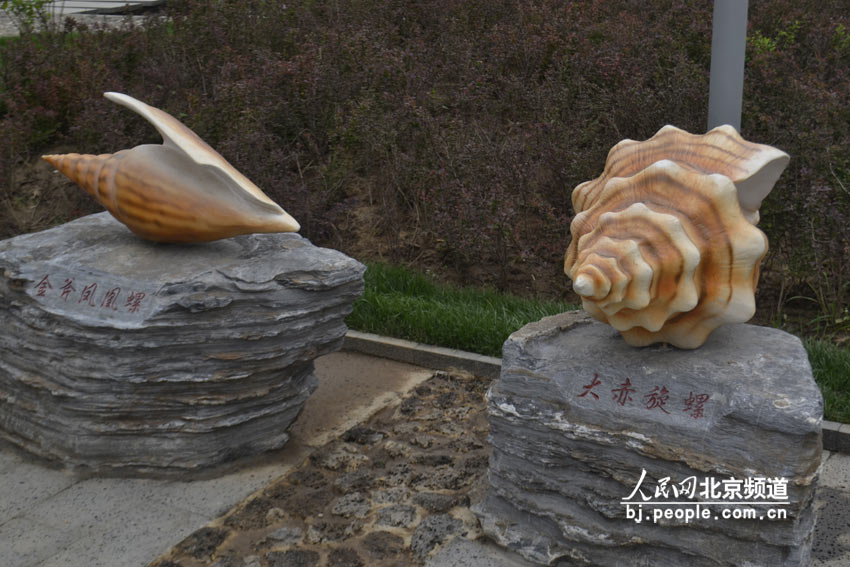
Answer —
(118, 354)
(591, 435)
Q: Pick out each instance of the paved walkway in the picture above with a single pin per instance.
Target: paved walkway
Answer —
(93, 12)
(101, 6)
(49, 518)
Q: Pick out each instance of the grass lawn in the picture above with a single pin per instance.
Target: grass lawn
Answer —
(407, 305)
(400, 303)
(831, 367)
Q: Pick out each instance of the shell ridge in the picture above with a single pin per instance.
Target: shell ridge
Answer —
(67, 165)
(113, 161)
(663, 239)
(177, 191)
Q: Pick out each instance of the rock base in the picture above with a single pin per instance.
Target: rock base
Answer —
(600, 449)
(120, 355)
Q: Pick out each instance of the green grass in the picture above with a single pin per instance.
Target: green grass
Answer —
(403, 304)
(400, 303)
(831, 367)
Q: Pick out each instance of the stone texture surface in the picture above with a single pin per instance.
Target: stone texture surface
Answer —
(120, 354)
(577, 415)
(397, 529)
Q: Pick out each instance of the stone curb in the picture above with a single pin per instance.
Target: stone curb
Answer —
(836, 436)
(438, 358)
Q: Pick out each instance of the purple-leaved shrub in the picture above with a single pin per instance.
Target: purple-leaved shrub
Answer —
(462, 124)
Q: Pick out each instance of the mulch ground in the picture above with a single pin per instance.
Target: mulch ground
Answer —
(387, 493)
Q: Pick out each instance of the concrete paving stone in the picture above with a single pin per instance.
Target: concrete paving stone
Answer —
(214, 497)
(352, 387)
(104, 6)
(831, 546)
(462, 552)
(835, 472)
(97, 505)
(9, 457)
(23, 485)
(137, 537)
(25, 543)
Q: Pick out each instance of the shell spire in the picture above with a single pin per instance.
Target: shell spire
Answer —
(82, 169)
(664, 245)
(180, 191)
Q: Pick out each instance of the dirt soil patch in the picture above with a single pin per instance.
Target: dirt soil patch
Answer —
(387, 493)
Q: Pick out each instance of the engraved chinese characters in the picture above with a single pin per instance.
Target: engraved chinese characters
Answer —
(112, 298)
(586, 431)
(173, 358)
(656, 398)
(664, 245)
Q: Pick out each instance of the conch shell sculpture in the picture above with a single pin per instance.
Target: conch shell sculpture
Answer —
(664, 244)
(179, 191)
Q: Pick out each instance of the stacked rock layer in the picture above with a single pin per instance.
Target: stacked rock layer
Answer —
(583, 424)
(122, 355)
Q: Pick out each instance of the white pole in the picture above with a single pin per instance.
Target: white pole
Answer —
(728, 45)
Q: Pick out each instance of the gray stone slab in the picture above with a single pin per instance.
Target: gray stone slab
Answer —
(215, 496)
(132, 539)
(95, 505)
(9, 457)
(352, 387)
(195, 355)
(462, 552)
(831, 546)
(25, 543)
(23, 485)
(114, 522)
(579, 420)
(835, 472)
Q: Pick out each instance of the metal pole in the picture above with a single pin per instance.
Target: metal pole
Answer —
(728, 45)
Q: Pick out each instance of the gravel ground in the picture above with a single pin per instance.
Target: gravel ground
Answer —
(388, 493)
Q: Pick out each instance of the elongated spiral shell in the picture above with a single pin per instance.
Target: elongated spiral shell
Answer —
(179, 191)
(664, 245)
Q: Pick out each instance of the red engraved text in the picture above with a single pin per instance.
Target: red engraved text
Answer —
(67, 288)
(657, 398)
(43, 286)
(110, 299)
(695, 405)
(589, 387)
(87, 295)
(134, 301)
(623, 393)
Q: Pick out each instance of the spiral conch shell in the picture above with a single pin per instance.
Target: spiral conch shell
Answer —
(664, 244)
(179, 191)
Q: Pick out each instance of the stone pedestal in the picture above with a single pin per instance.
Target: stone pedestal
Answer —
(118, 354)
(590, 436)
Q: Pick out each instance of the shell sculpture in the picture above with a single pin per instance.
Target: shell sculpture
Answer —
(664, 244)
(178, 191)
